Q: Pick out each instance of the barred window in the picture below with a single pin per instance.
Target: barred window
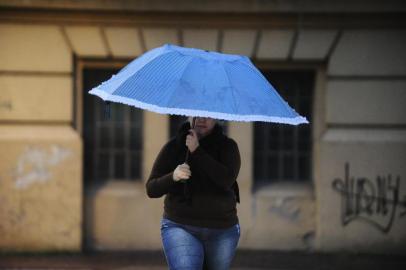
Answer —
(283, 152)
(112, 146)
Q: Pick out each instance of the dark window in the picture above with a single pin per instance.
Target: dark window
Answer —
(283, 152)
(112, 146)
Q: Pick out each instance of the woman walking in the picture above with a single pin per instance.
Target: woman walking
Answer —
(199, 224)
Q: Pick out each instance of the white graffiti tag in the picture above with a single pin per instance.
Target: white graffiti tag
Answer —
(34, 164)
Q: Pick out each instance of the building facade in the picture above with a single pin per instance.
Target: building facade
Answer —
(72, 180)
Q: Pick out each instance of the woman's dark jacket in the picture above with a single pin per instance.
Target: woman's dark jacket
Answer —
(208, 198)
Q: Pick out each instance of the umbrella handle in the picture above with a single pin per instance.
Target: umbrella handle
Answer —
(185, 186)
(188, 152)
(107, 110)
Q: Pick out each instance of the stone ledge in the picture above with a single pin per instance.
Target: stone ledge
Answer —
(216, 6)
(286, 189)
(369, 135)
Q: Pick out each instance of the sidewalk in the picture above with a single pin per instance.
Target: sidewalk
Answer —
(244, 260)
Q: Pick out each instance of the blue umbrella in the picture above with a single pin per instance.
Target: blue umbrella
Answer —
(193, 82)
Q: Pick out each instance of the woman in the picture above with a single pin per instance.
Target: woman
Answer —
(200, 223)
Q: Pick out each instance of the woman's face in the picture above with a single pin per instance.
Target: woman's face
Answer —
(203, 125)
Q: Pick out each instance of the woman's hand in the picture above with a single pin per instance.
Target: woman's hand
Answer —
(182, 172)
(192, 141)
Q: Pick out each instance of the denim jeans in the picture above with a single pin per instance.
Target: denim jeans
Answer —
(187, 246)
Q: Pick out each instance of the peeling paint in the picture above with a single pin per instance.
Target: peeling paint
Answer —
(34, 164)
(286, 208)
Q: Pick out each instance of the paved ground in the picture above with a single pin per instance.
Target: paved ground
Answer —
(244, 260)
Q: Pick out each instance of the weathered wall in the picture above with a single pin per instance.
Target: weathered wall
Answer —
(363, 191)
(40, 153)
(360, 184)
(359, 109)
(40, 188)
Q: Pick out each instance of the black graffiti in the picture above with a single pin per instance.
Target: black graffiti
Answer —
(403, 205)
(375, 202)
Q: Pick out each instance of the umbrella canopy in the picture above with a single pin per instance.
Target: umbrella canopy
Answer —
(193, 82)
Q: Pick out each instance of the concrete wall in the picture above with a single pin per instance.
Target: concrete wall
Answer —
(363, 190)
(358, 109)
(41, 188)
(40, 153)
(360, 184)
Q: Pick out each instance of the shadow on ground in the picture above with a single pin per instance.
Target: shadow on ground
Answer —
(245, 259)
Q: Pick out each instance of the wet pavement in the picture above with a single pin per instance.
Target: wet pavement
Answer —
(244, 260)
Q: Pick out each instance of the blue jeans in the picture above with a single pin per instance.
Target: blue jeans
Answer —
(187, 246)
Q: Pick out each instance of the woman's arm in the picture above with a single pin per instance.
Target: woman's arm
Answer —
(224, 172)
(161, 177)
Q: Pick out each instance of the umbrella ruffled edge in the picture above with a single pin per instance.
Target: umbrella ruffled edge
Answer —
(197, 113)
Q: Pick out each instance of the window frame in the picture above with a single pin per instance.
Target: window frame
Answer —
(318, 123)
(79, 65)
(77, 118)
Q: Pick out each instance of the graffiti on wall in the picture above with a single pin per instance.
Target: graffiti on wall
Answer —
(286, 208)
(34, 164)
(376, 201)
